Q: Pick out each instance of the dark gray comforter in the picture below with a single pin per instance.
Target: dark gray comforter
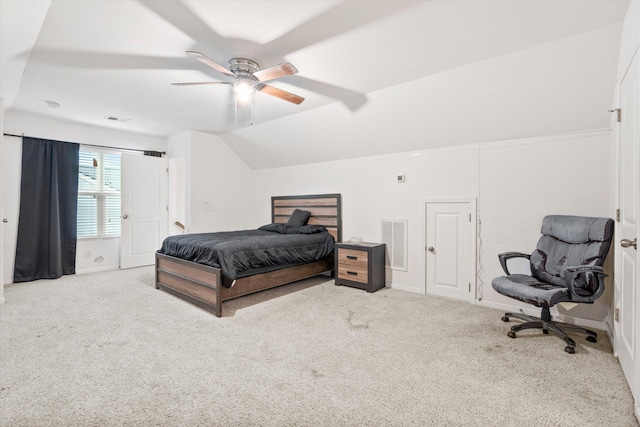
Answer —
(244, 253)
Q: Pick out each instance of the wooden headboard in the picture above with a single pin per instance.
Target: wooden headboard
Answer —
(326, 209)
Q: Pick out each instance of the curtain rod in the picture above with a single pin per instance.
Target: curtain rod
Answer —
(100, 146)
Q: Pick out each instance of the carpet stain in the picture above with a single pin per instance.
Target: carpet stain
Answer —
(316, 374)
(353, 325)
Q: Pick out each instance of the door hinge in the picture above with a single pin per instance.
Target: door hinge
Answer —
(618, 215)
(167, 170)
(469, 286)
(616, 316)
(469, 217)
(167, 208)
(618, 112)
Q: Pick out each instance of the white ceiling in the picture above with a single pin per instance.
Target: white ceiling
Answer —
(378, 76)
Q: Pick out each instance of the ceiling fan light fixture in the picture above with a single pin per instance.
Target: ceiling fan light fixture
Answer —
(243, 87)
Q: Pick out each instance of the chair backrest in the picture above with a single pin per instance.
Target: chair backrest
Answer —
(570, 241)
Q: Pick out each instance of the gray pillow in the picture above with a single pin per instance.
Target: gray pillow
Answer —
(275, 228)
(298, 218)
(306, 229)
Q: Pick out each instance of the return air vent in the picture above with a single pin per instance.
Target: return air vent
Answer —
(394, 235)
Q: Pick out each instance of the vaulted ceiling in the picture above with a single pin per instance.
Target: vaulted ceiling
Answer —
(377, 76)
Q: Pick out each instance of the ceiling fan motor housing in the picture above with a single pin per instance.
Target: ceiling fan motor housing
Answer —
(243, 65)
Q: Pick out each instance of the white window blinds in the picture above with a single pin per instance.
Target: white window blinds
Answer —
(99, 195)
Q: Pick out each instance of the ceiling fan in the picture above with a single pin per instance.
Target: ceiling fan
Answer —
(248, 78)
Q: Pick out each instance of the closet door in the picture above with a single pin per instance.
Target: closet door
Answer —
(144, 209)
(627, 291)
(450, 250)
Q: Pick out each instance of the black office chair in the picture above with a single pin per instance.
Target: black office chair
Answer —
(566, 266)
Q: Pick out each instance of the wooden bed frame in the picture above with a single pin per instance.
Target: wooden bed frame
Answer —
(202, 285)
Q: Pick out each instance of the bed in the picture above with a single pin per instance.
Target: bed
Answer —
(203, 285)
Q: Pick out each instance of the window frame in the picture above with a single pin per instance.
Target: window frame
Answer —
(101, 196)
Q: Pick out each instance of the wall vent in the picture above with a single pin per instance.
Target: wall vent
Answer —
(394, 235)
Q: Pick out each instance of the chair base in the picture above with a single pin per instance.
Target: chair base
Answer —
(547, 325)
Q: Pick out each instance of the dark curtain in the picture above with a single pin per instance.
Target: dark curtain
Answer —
(46, 246)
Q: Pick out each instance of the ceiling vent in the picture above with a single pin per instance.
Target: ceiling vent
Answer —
(117, 119)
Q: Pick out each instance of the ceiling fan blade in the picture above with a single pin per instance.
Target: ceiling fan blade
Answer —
(201, 83)
(279, 93)
(280, 70)
(351, 99)
(210, 62)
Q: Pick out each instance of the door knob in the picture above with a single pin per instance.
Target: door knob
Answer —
(125, 216)
(625, 243)
(5, 220)
(431, 249)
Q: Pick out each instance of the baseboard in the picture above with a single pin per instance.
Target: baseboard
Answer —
(97, 270)
(403, 288)
(534, 311)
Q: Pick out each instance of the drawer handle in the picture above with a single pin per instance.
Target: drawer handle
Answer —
(353, 273)
(352, 257)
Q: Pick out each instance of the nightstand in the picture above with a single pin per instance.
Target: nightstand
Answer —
(360, 265)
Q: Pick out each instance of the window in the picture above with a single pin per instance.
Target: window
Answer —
(99, 195)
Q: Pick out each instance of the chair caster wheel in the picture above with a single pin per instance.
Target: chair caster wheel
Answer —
(545, 331)
(511, 334)
(569, 349)
(591, 338)
(505, 319)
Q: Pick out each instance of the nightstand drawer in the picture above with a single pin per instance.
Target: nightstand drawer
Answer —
(353, 257)
(352, 272)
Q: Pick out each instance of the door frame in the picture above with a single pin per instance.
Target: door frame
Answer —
(473, 241)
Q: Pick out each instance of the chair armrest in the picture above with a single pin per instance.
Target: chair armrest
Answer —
(506, 256)
(571, 279)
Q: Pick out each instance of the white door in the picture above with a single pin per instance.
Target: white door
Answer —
(628, 300)
(450, 250)
(144, 209)
(11, 177)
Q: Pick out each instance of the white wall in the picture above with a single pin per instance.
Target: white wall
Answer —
(522, 181)
(179, 154)
(91, 254)
(218, 184)
(516, 182)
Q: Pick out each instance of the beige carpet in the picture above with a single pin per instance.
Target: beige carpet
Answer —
(108, 349)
